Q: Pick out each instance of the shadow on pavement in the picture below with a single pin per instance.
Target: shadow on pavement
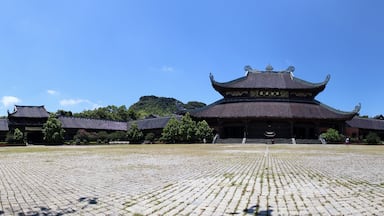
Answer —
(41, 210)
(256, 211)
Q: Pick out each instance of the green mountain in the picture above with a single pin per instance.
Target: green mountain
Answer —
(146, 106)
(162, 106)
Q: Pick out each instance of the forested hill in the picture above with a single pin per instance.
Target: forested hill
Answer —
(162, 106)
(147, 105)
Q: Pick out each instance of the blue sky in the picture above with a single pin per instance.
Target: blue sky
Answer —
(82, 54)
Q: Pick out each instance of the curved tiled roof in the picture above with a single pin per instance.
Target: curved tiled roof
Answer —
(152, 123)
(93, 124)
(272, 110)
(29, 112)
(366, 123)
(269, 80)
(4, 125)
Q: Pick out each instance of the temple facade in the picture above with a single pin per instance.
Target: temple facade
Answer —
(264, 104)
(30, 120)
(269, 103)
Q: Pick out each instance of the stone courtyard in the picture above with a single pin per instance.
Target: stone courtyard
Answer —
(192, 180)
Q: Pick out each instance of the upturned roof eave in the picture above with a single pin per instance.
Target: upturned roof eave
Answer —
(348, 115)
(338, 115)
(366, 123)
(222, 87)
(16, 113)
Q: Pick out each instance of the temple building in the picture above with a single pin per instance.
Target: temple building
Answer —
(30, 120)
(265, 104)
(153, 124)
(262, 105)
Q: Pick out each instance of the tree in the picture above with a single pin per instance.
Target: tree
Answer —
(53, 130)
(118, 135)
(171, 131)
(110, 112)
(150, 137)
(187, 129)
(331, 135)
(134, 134)
(83, 136)
(132, 115)
(101, 136)
(194, 105)
(18, 136)
(64, 113)
(372, 138)
(203, 131)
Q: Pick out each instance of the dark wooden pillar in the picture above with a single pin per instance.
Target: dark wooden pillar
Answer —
(291, 127)
(317, 129)
(245, 128)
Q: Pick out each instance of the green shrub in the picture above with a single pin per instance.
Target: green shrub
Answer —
(118, 135)
(77, 141)
(150, 137)
(83, 136)
(186, 130)
(16, 136)
(372, 138)
(171, 131)
(101, 137)
(53, 131)
(134, 134)
(204, 133)
(332, 136)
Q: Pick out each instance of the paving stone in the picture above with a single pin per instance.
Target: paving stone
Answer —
(192, 180)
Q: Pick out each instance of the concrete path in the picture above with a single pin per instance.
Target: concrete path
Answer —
(192, 180)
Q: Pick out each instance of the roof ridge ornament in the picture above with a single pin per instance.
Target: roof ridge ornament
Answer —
(249, 69)
(269, 68)
(327, 78)
(211, 77)
(291, 69)
(357, 108)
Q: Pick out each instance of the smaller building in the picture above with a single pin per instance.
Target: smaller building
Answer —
(359, 128)
(3, 128)
(30, 120)
(153, 125)
(72, 124)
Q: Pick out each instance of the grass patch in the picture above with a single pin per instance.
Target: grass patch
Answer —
(229, 175)
(167, 186)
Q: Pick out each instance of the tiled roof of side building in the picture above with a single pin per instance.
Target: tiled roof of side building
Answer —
(273, 80)
(152, 123)
(4, 124)
(366, 123)
(29, 112)
(94, 124)
(272, 110)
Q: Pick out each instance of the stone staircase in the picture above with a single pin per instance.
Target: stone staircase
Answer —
(266, 141)
(269, 141)
(308, 141)
(229, 141)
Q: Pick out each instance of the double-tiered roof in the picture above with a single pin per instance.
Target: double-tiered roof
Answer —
(271, 95)
(268, 80)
